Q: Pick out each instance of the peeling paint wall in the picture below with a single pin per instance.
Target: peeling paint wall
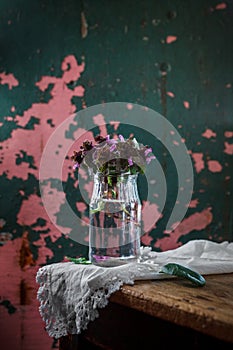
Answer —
(57, 58)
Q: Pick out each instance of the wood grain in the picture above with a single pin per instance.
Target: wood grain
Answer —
(207, 309)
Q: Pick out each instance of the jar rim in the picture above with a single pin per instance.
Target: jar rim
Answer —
(116, 177)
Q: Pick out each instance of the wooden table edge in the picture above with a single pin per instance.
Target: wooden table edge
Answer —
(130, 296)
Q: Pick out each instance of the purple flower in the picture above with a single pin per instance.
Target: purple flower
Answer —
(100, 258)
(148, 159)
(112, 148)
(110, 141)
(130, 161)
(124, 152)
(76, 165)
(147, 151)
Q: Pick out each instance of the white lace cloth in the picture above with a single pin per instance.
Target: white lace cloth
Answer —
(71, 294)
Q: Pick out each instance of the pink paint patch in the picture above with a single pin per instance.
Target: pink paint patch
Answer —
(8, 79)
(85, 222)
(44, 253)
(12, 278)
(228, 134)
(209, 133)
(221, 6)
(54, 200)
(81, 206)
(13, 109)
(195, 222)
(228, 86)
(146, 239)
(9, 119)
(75, 72)
(228, 148)
(198, 161)
(83, 173)
(150, 215)
(170, 39)
(89, 188)
(99, 120)
(32, 208)
(170, 94)
(176, 143)
(186, 104)
(58, 108)
(214, 166)
(129, 106)
(115, 124)
(193, 203)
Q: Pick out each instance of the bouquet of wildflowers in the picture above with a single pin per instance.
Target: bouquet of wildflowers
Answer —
(113, 156)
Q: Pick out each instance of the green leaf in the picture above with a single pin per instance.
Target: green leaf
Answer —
(184, 272)
(79, 260)
(125, 210)
(109, 180)
(100, 208)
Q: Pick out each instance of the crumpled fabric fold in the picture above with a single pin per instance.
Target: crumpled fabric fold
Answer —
(71, 295)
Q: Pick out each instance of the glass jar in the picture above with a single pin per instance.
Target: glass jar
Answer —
(115, 220)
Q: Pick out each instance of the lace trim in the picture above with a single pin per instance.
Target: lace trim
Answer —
(70, 295)
(84, 311)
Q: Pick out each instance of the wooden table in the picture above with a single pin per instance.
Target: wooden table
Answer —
(163, 313)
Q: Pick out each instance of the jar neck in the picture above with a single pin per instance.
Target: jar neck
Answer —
(115, 178)
(121, 187)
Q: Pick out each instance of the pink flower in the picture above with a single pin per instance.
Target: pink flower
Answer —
(112, 148)
(147, 151)
(110, 141)
(121, 138)
(130, 161)
(76, 165)
(100, 258)
(149, 159)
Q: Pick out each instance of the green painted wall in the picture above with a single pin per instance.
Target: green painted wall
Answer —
(174, 57)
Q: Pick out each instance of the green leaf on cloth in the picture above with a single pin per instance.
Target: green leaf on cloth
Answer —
(184, 272)
(79, 260)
